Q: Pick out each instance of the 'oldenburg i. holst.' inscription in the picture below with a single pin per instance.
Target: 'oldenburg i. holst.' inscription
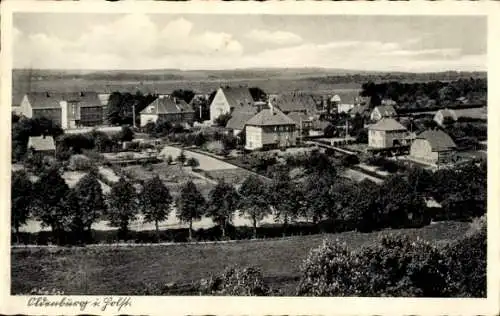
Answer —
(103, 304)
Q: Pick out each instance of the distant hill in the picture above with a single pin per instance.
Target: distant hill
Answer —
(271, 80)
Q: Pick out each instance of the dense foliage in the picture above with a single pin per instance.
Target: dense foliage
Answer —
(121, 107)
(396, 265)
(246, 281)
(427, 94)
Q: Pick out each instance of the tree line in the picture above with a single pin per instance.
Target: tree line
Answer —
(426, 94)
(321, 197)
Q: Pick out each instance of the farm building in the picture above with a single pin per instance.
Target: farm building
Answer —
(42, 144)
(229, 98)
(270, 129)
(296, 102)
(302, 121)
(69, 110)
(444, 115)
(169, 109)
(434, 147)
(388, 133)
(382, 111)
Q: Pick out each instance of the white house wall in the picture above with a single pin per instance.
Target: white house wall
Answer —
(219, 105)
(25, 107)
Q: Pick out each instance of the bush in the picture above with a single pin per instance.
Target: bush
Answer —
(80, 163)
(393, 266)
(467, 257)
(247, 281)
(350, 160)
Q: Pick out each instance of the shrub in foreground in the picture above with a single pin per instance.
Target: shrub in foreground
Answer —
(247, 281)
(393, 266)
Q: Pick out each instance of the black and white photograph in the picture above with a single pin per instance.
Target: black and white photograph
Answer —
(223, 154)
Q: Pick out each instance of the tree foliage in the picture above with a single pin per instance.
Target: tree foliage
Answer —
(155, 201)
(122, 206)
(190, 205)
(393, 266)
(88, 204)
(21, 199)
(254, 200)
(50, 204)
(222, 203)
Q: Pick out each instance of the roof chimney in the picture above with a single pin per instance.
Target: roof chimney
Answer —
(82, 93)
(271, 108)
(48, 94)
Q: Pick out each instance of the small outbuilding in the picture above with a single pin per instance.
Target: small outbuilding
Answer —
(433, 147)
(42, 144)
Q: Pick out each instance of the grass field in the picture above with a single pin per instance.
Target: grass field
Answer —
(123, 271)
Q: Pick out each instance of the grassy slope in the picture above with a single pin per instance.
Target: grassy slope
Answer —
(121, 271)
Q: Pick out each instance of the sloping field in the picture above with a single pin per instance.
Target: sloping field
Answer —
(110, 270)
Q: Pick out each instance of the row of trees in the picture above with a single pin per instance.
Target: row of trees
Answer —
(318, 196)
(426, 94)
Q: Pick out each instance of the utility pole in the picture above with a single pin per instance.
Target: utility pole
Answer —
(300, 129)
(133, 115)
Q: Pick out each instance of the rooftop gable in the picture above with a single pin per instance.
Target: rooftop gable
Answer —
(238, 96)
(387, 124)
(41, 143)
(296, 102)
(438, 139)
(270, 117)
(386, 110)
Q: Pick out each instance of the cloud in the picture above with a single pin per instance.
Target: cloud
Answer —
(136, 42)
(127, 40)
(276, 37)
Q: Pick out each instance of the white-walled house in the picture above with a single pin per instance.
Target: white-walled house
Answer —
(229, 98)
(68, 110)
(270, 129)
(388, 133)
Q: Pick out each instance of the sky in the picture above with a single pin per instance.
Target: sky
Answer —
(161, 41)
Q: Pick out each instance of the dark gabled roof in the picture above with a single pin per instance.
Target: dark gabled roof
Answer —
(45, 100)
(85, 99)
(296, 102)
(439, 140)
(298, 117)
(167, 105)
(41, 143)
(387, 124)
(386, 110)
(51, 100)
(238, 96)
(270, 117)
(238, 120)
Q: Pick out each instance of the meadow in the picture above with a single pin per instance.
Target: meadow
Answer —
(100, 270)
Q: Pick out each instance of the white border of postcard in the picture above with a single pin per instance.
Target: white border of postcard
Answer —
(172, 305)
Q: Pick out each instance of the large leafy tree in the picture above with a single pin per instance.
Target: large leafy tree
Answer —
(21, 200)
(190, 205)
(49, 199)
(254, 201)
(122, 206)
(155, 201)
(222, 203)
(397, 204)
(286, 198)
(317, 196)
(88, 204)
(186, 95)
